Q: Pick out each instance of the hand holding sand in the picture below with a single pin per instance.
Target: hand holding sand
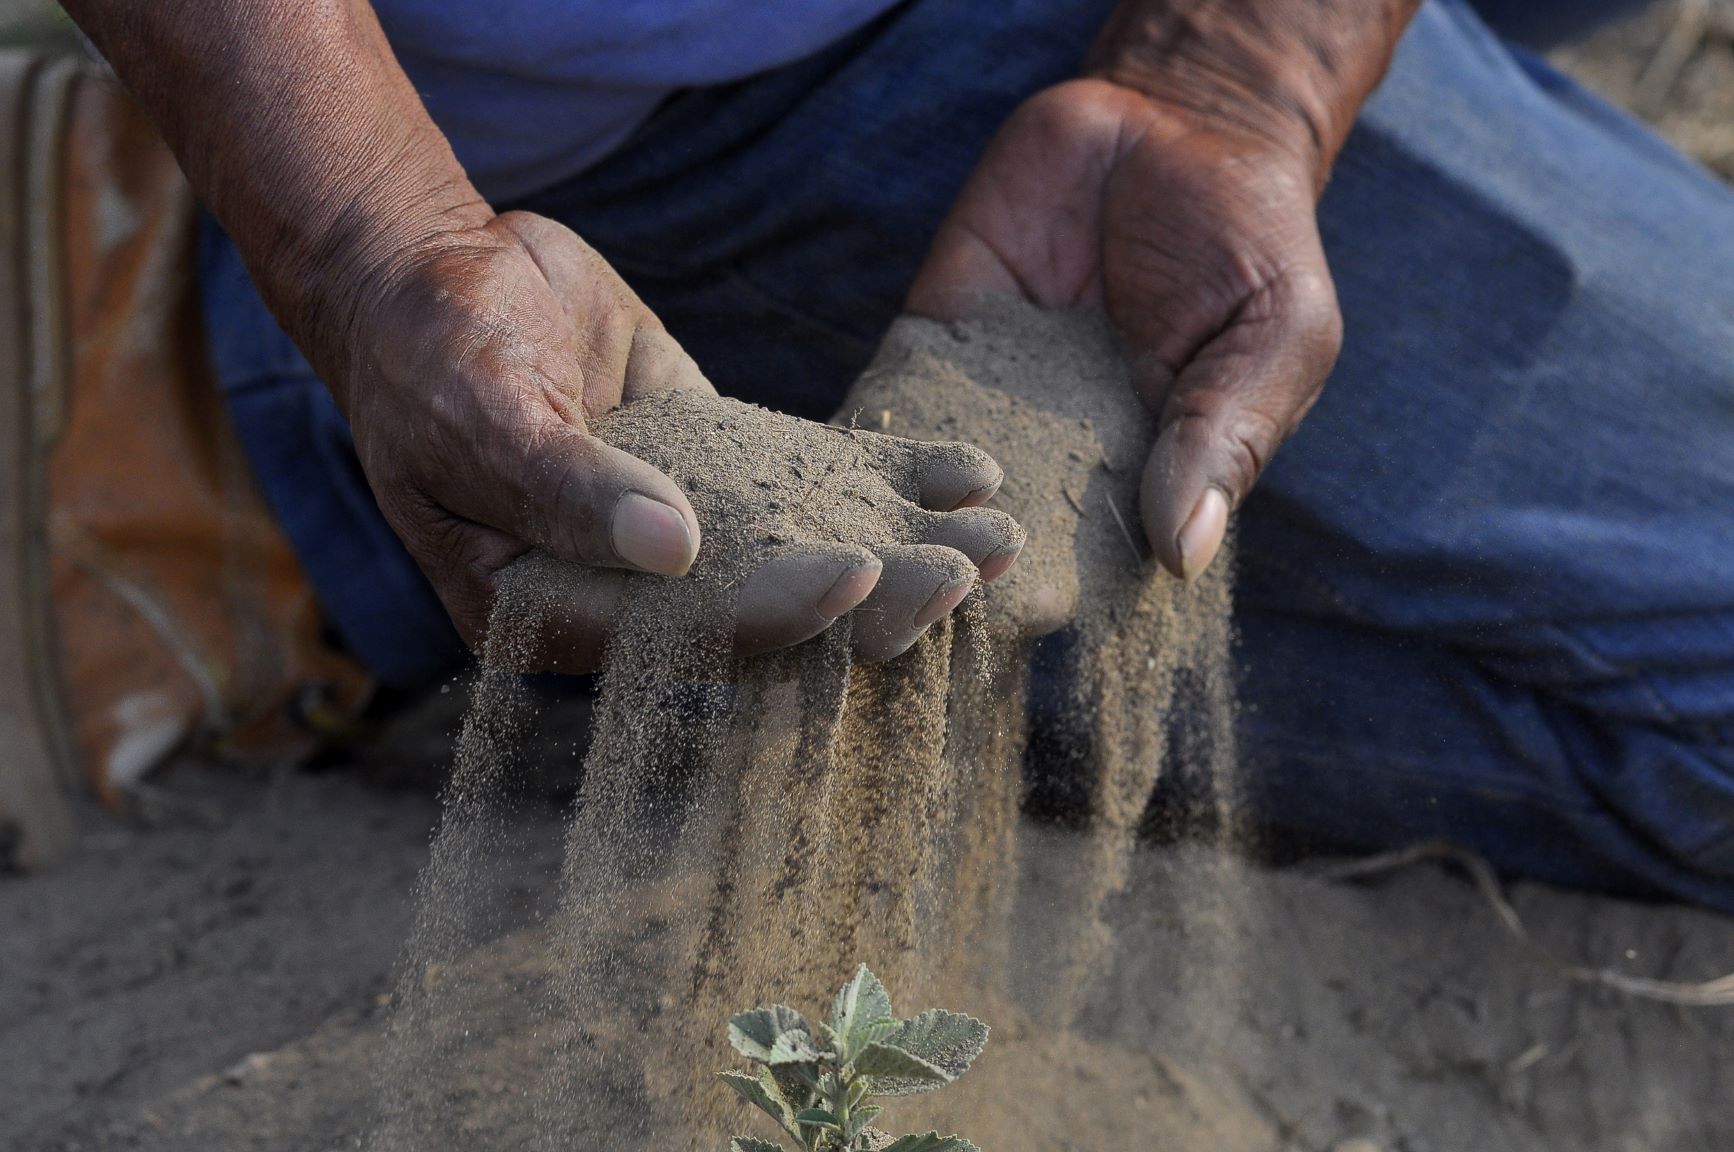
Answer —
(1198, 236)
(1048, 395)
(802, 523)
(513, 354)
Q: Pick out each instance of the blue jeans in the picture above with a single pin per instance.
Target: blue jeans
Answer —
(1486, 592)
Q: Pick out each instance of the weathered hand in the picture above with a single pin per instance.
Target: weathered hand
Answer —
(473, 376)
(1199, 239)
(470, 377)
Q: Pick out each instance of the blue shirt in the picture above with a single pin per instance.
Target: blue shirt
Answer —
(531, 92)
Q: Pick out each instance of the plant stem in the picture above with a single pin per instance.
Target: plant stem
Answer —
(840, 1109)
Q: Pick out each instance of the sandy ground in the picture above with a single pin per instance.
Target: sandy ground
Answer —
(211, 975)
(1315, 1015)
(234, 913)
(1674, 65)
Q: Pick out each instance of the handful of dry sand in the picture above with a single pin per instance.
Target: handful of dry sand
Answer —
(820, 813)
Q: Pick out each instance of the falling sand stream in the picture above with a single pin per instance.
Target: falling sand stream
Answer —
(748, 830)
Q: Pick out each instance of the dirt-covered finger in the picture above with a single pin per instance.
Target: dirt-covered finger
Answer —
(951, 475)
(795, 597)
(920, 584)
(991, 539)
(938, 475)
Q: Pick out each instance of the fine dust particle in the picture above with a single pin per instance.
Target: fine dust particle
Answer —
(430, 1027)
(772, 822)
(1049, 396)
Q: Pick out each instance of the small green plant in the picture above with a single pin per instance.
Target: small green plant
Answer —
(816, 1083)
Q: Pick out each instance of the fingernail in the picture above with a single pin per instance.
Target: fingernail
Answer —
(979, 496)
(995, 565)
(1202, 534)
(648, 534)
(943, 601)
(850, 589)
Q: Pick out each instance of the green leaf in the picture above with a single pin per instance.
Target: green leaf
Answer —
(793, 1048)
(816, 1118)
(883, 1061)
(931, 1142)
(873, 1033)
(862, 1001)
(949, 1041)
(796, 1082)
(755, 1034)
(763, 1091)
(873, 1140)
(859, 1119)
(751, 1144)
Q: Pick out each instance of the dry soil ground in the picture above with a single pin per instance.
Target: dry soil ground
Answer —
(210, 975)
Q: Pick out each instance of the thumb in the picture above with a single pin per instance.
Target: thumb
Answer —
(1228, 409)
(586, 501)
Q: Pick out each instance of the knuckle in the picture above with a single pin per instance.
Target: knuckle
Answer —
(559, 486)
(1317, 318)
(472, 626)
(1196, 408)
(1248, 446)
(1323, 338)
(445, 548)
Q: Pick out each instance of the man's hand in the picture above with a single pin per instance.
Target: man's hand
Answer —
(473, 378)
(470, 352)
(1177, 190)
(470, 375)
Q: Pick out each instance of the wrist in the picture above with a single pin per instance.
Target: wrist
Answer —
(1290, 73)
(300, 133)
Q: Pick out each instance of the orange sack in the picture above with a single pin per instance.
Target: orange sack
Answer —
(180, 616)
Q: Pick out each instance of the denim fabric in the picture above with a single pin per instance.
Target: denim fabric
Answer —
(1487, 591)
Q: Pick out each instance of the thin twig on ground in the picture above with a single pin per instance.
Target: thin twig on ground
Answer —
(1708, 994)
(1685, 36)
(1137, 555)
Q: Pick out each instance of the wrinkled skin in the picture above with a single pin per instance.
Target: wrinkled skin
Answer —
(1176, 187)
(1200, 240)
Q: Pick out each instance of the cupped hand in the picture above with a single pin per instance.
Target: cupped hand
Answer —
(473, 374)
(1200, 240)
(820, 496)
